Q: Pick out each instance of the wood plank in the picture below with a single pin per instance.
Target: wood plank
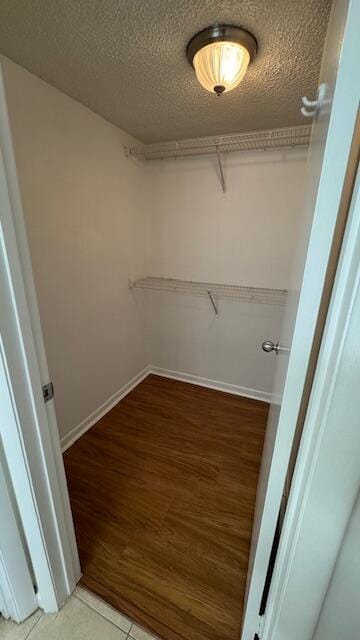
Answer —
(163, 492)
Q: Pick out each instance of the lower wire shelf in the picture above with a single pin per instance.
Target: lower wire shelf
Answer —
(213, 291)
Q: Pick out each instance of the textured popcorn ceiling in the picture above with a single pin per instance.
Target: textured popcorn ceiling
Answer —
(125, 59)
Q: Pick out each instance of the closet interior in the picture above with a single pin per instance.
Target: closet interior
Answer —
(161, 267)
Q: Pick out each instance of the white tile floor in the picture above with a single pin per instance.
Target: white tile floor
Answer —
(84, 617)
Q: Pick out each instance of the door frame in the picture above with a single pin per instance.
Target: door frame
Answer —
(331, 208)
(17, 594)
(33, 453)
(327, 468)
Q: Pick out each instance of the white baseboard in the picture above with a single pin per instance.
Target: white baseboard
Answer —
(88, 422)
(255, 394)
(95, 416)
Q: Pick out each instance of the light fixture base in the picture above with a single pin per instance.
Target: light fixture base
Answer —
(221, 33)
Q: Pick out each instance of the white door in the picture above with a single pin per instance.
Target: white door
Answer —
(340, 612)
(29, 438)
(329, 179)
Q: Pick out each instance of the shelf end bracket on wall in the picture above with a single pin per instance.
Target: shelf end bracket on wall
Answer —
(221, 169)
(132, 155)
(212, 300)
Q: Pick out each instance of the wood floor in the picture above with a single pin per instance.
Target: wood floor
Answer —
(163, 491)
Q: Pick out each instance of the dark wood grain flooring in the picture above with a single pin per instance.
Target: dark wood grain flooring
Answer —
(163, 491)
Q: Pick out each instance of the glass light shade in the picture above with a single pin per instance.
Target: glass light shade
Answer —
(220, 66)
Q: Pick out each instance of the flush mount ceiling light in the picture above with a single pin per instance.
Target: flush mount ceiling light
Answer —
(220, 56)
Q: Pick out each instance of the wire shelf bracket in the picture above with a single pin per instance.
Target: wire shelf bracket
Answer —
(221, 170)
(214, 305)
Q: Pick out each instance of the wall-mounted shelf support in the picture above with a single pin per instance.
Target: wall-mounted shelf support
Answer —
(221, 171)
(212, 300)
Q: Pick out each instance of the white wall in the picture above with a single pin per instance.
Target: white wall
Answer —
(86, 217)
(245, 236)
(95, 218)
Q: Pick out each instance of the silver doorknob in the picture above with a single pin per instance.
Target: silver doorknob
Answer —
(269, 345)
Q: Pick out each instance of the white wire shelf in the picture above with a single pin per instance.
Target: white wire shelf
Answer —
(213, 291)
(285, 137)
